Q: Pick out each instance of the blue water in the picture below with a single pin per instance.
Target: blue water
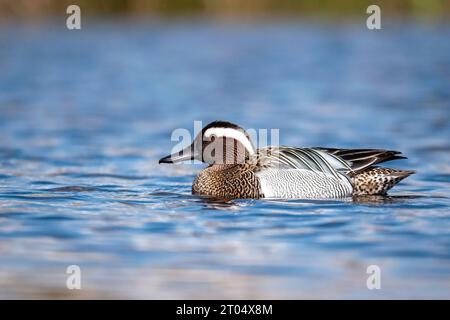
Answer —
(85, 116)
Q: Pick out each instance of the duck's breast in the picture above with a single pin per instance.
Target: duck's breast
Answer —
(303, 184)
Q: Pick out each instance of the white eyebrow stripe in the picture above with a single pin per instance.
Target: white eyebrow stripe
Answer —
(231, 133)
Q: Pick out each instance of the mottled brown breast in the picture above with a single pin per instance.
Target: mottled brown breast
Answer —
(228, 181)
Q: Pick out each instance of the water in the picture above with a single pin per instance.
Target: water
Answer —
(85, 116)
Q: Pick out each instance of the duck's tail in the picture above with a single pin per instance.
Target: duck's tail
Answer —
(377, 181)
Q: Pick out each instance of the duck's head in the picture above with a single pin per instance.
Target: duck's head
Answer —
(220, 142)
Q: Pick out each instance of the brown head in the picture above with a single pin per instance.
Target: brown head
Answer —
(220, 142)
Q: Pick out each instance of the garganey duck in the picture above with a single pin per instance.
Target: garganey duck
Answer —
(237, 170)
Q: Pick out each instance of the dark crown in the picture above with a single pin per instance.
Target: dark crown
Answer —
(222, 124)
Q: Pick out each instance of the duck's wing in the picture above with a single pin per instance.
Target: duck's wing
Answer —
(326, 160)
(311, 159)
(361, 159)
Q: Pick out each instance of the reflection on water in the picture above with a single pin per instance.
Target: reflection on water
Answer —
(369, 199)
(85, 116)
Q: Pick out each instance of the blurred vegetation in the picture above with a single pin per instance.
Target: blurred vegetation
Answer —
(29, 9)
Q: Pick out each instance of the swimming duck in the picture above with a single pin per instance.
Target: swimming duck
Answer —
(237, 170)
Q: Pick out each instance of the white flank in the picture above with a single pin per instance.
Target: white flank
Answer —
(302, 184)
(233, 134)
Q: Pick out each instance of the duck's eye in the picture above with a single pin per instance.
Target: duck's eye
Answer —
(212, 138)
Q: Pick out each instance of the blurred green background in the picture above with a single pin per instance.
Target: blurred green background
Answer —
(32, 9)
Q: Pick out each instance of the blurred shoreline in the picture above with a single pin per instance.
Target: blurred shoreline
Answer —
(36, 10)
